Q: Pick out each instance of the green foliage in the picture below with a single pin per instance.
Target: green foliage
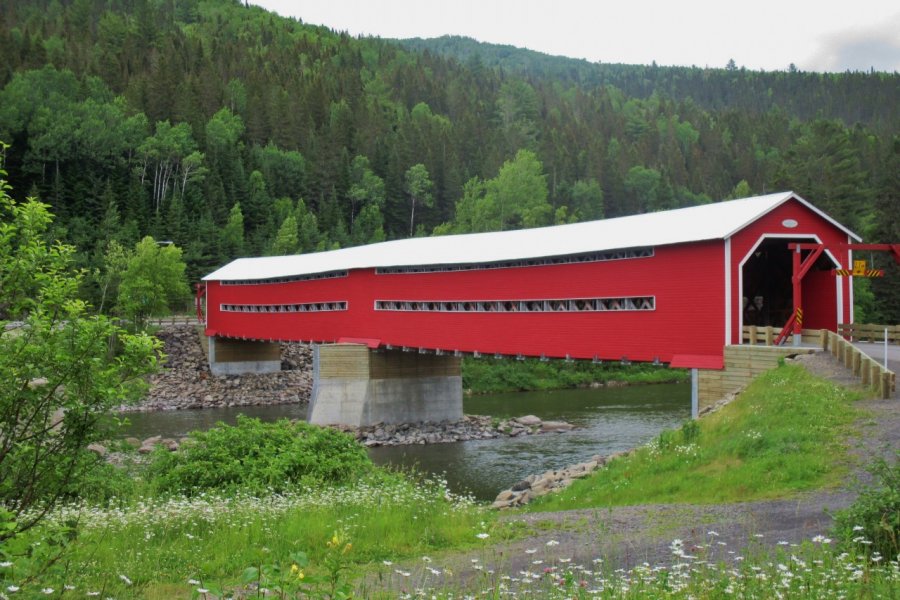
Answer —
(481, 376)
(872, 523)
(783, 434)
(587, 200)
(233, 234)
(255, 456)
(308, 113)
(294, 582)
(418, 188)
(515, 198)
(212, 539)
(153, 281)
(61, 369)
(645, 186)
(286, 240)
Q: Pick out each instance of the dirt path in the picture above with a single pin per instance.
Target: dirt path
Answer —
(625, 537)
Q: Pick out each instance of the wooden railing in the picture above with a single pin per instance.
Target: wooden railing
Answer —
(765, 336)
(870, 372)
(173, 320)
(867, 332)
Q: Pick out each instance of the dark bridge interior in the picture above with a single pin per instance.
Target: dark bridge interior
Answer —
(767, 290)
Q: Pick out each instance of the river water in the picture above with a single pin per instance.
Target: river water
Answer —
(608, 420)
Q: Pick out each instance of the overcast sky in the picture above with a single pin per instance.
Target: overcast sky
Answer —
(824, 35)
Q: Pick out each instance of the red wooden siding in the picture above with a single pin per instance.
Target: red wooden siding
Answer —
(684, 279)
(687, 282)
(819, 291)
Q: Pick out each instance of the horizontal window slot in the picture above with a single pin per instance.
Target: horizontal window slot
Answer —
(305, 307)
(568, 305)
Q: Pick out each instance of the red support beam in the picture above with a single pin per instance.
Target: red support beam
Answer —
(802, 267)
(893, 249)
(198, 300)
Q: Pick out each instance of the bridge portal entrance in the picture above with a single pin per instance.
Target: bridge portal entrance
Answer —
(767, 293)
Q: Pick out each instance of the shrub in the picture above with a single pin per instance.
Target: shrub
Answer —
(254, 456)
(875, 516)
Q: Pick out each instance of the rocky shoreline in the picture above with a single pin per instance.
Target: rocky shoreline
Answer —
(185, 381)
(535, 486)
(472, 427)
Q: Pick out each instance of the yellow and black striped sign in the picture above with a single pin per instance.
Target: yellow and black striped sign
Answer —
(855, 273)
(860, 269)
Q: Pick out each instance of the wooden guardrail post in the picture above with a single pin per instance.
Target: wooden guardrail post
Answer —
(876, 375)
(865, 371)
(823, 339)
(753, 338)
(885, 385)
(770, 336)
(856, 362)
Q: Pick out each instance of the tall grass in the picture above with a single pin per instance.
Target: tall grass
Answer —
(784, 434)
(160, 544)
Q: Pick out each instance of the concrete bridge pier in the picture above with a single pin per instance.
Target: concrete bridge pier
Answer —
(354, 385)
(237, 357)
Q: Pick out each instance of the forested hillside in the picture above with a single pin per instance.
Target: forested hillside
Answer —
(869, 98)
(233, 131)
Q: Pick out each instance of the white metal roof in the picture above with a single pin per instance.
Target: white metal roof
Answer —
(696, 223)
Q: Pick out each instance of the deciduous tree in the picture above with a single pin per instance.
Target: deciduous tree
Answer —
(153, 282)
(418, 188)
(59, 371)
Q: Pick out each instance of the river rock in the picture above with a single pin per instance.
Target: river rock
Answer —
(185, 380)
(528, 421)
(472, 427)
(520, 486)
(98, 449)
(548, 426)
(553, 480)
(505, 496)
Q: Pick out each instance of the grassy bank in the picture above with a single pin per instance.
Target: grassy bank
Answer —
(151, 548)
(386, 535)
(488, 375)
(784, 434)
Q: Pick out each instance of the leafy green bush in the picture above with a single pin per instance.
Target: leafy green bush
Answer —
(874, 519)
(102, 482)
(255, 456)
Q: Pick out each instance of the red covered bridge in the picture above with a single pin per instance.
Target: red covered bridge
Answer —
(673, 285)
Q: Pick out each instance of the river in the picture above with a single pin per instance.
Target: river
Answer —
(608, 420)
